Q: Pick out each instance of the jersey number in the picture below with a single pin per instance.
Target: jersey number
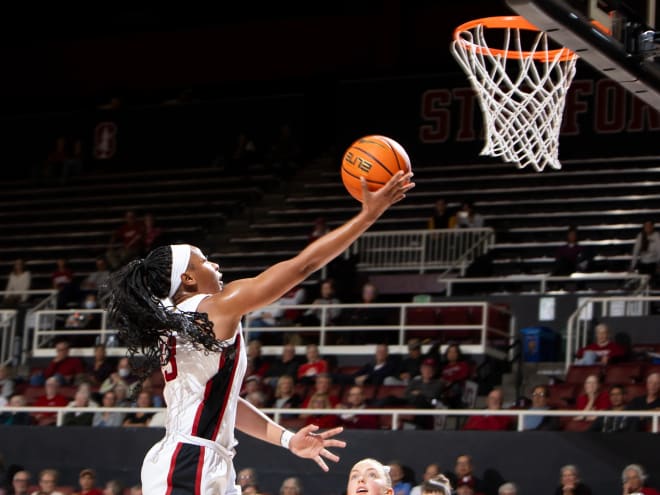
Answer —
(170, 371)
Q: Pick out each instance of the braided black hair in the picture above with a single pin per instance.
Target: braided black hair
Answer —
(134, 294)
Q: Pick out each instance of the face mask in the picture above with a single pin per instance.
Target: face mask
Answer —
(124, 372)
(90, 304)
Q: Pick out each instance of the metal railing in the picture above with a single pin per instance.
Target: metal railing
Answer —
(403, 320)
(421, 250)
(543, 283)
(580, 321)
(7, 335)
(395, 414)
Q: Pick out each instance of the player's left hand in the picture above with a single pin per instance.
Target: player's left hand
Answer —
(309, 445)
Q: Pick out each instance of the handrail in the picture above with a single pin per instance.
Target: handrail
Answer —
(578, 323)
(7, 335)
(398, 323)
(542, 280)
(395, 413)
(421, 250)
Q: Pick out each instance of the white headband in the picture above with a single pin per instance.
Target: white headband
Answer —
(180, 259)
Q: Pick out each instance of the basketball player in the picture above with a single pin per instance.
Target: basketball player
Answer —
(370, 477)
(172, 307)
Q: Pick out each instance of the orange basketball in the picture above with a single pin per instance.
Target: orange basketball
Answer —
(377, 159)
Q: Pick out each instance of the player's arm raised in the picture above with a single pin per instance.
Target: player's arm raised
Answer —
(243, 296)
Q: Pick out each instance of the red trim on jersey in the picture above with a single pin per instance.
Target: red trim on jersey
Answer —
(231, 382)
(198, 474)
(170, 473)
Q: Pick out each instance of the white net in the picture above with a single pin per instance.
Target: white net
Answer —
(522, 94)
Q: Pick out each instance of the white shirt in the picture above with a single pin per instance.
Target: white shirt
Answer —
(19, 283)
(651, 255)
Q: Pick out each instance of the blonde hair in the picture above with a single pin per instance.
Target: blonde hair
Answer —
(385, 470)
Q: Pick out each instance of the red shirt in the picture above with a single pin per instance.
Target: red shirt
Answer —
(334, 400)
(312, 369)
(456, 372)
(601, 403)
(488, 423)
(93, 491)
(67, 367)
(130, 235)
(43, 401)
(326, 421)
(61, 278)
(609, 350)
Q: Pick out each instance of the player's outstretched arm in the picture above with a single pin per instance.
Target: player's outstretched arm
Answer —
(305, 443)
(247, 295)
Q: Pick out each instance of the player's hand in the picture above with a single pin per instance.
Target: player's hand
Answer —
(376, 202)
(309, 445)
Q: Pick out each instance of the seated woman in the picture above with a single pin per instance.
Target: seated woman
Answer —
(454, 372)
(320, 401)
(593, 398)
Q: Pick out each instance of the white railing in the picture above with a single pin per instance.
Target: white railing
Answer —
(421, 250)
(395, 414)
(580, 321)
(7, 335)
(486, 338)
(543, 283)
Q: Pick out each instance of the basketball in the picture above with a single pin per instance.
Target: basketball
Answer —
(377, 159)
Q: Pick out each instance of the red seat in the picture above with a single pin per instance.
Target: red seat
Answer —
(563, 393)
(574, 425)
(577, 374)
(650, 368)
(398, 391)
(634, 390)
(623, 373)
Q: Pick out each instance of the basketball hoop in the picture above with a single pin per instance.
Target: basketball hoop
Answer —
(521, 92)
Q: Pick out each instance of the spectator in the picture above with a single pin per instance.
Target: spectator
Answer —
(256, 361)
(80, 320)
(463, 475)
(251, 385)
(507, 489)
(102, 366)
(64, 367)
(609, 424)
(87, 480)
(319, 229)
(593, 398)
(571, 257)
(291, 486)
(80, 400)
(634, 478)
(646, 251)
(113, 487)
(107, 418)
(126, 243)
(375, 372)
(257, 398)
(569, 482)
(136, 489)
(365, 315)
(16, 418)
(646, 402)
(409, 366)
(322, 385)
(19, 281)
(48, 479)
(314, 316)
(320, 400)
(440, 216)
(314, 365)
(489, 422)
(423, 392)
(156, 395)
(602, 351)
(399, 484)
(285, 396)
(438, 485)
(540, 396)
(455, 371)
(51, 398)
(121, 391)
(431, 471)
(153, 235)
(6, 382)
(140, 418)
(275, 314)
(123, 374)
(356, 400)
(63, 283)
(246, 477)
(467, 218)
(73, 162)
(287, 364)
(97, 279)
(20, 482)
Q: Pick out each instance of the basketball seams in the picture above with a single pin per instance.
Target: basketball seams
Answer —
(396, 155)
(369, 181)
(374, 159)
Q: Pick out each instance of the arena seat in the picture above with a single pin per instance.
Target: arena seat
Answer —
(577, 374)
(623, 373)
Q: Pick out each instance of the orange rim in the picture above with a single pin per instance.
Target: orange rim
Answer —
(508, 22)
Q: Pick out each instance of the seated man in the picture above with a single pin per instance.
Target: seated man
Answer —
(602, 351)
(609, 424)
(540, 396)
(356, 400)
(490, 422)
(375, 372)
(646, 402)
(64, 367)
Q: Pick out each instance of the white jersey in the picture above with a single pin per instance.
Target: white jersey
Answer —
(201, 392)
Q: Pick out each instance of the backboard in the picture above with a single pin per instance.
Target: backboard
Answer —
(616, 38)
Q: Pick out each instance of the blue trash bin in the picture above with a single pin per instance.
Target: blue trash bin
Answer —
(539, 344)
